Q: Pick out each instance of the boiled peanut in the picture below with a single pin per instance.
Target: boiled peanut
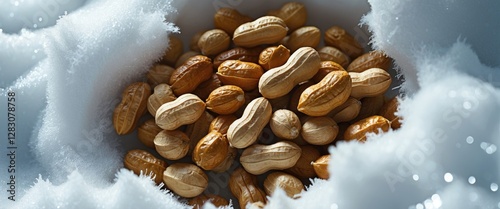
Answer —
(290, 184)
(143, 162)
(239, 73)
(211, 150)
(147, 132)
(346, 111)
(258, 159)
(189, 75)
(226, 99)
(131, 108)
(229, 19)
(273, 56)
(373, 59)
(243, 186)
(186, 180)
(285, 124)
(159, 74)
(184, 110)
(303, 168)
(341, 39)
(370, 83)
(329, 53)
(213, 42)
(319, 130)
(373, 124)
(162, 94)
(321, 166)
(264, 30)
(304, 36)
(172, 145)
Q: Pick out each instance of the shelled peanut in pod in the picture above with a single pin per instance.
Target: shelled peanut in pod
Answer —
(184, 110)
(258, 159)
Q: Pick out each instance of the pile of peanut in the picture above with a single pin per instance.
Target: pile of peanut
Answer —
(210, 105)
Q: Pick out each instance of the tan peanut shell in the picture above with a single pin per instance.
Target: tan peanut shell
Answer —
(293, 13)
(159, 74)
(226, 99)
(388, 111)
(373, 124)
(302, 65)
(321, 98)
(140, 161)
(131, 108)
(239, 73)
(319, 130)
(183, 58)
(258, 159)
(186, 180)
(370, 106)
(304, 36)
(325, 68)
(229, 19)
(290, 184)
(184, 110)
(329, 53)
(341, 39)
(370, 83)
(346, 111)
(221, 123)
(147, 132)
(245, 130)
(200, 200)
(162, 94)
(189, 75)
(321, 166)
(206, 87)
(243, 186)
(238, 53)
(228, 161)
(273, 56)
(213, 42)
(372, 59)
(211, 150)
(174, 50)
(303, 168)
(199, 129)
(264, 30)
(285, 124)
(172, 145)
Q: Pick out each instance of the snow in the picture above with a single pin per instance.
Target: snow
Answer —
(67, 78)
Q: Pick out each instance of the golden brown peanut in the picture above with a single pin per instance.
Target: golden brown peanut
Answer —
(239, 73)
(226, 99)
(147, 132)
(184, 57)
(186, 180)
(293, 13)
(373, 59)
(302, 65)
(245, 130)
(321, 166)
(199, 129)
(329, 53)
(332, 91)
(340, 39)
(346, 111)
(131, 108)
(294, 100)
(193, 44)
(143, 162)
(211, 150)
(184, 110)
(264, 30)
(172, 145)
(206, 87)
(303, 168)
(370, 83)
(221, 123)
(258, 159)
(200, 200)
(290, 184)
(229, 19)
(162, 94)
(189, 75)
(370, 106)
(243, 186)
(388, 111)
(238, 53)
(213, 42)
(304, 36)
(319, 130)
(373, 124)
(175, 48)
(285, 124)
(228, 161)
(325, 68)
(273, 56)
(159, 74)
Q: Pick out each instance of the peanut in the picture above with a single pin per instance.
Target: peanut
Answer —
(193, 43)
(221, 123)
(244, 131)
(389, 111)
(332, 91)
(213, 42)
(304, 36)
(294, 99)
(293, 13)
(228, 161)
(239, 73)
(199, 129)
(258, 159)
(159, 74)
(370, 83)
(273, 56)
(264, 30)
(280, 102)
(183, 58)
(373, 59)
(302, 65)
(172, 145)
(325, 68)
(303, 168)
(211, 150)
(290, 184)
(200, 200)
(147, 132)
(285, 124)
(184, 110)
(143, 162)
(226, 99)
(319, 130)
(329, 53)
(190, 74)
(162, 94)
(206, 87)
(321, 166)
(131, 108)
(175, 48)
(243, 186)
(340, 39)
(346, 111)
(238, 53)
(373, 124)
(370, 106)
(229, 19)
(186, 180)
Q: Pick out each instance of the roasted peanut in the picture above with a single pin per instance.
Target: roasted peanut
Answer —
(193, 44)
(332, 91)
(213, 42)
(304, 36)
(319, 130)
(221, 123)
(373, 59)
(228, 161)
(131, 108)
(147, 132)
(264, 30)
(183, 58)
(243, 186)
(303, 168)
(346, 111)
(162, 94)
(285, 124)
(186, 180)
(373, 124)
(340, 39)
(229, 19)
(245, 130)
(238, 53)
(200, 200)
(211, 150)
(329, 53)
(273, 56)
(258, 159)
(370, 106)
(370, 83)
(199, 129)
(294, 99)
(206, 87)
(190, 74)
(226, 99)
(321, 166)
(143, 162)
(174, 50)
(239, 73)
(389, 110)
(290, 184)
(184, 110)
(159, 74)
(293, 13)
(302, 65)
(172, 145)
(325, 68)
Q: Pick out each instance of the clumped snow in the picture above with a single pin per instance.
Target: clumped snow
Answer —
(71, 76)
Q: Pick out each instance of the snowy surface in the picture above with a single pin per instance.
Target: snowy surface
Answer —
(68, 78)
